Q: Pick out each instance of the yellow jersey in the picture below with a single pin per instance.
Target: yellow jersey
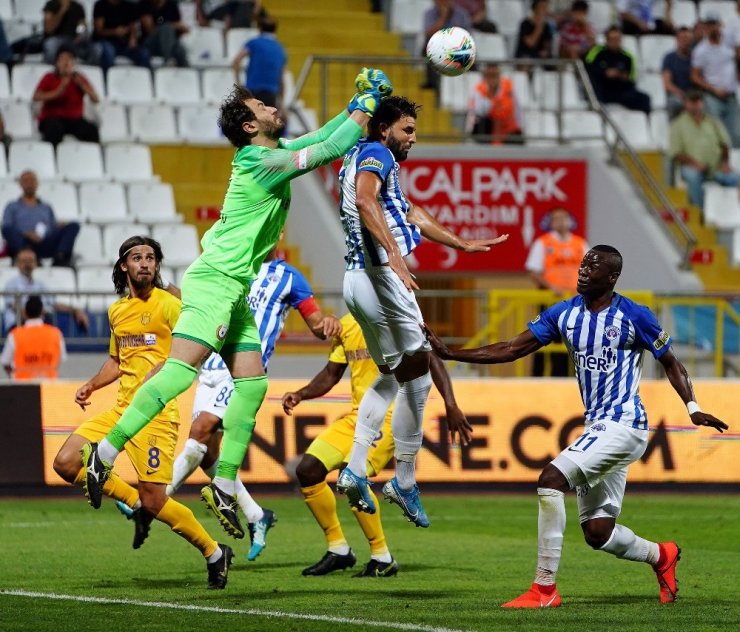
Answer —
(141, 336)
(349, 347)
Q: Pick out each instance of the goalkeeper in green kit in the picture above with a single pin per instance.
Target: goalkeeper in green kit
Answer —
(215, 315)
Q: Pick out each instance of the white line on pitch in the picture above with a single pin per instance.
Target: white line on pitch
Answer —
(249, 611)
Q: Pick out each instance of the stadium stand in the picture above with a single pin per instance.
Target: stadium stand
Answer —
(32, 154)
(80, 162)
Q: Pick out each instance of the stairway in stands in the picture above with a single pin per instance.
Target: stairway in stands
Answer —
(344, 28)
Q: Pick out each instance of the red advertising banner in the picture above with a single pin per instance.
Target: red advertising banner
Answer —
(481, 199)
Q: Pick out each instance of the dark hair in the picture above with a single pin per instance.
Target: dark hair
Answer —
(536, 2)
(615, 260)
(120, 278)
(579, 5)
(234, 112)
(34, 306)
(64, 49)
(613, 28)
(390, 110)
(267, 24)
(694, 95)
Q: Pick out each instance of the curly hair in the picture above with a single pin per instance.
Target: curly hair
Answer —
(120, 277)
(390, 110)
(233, 113)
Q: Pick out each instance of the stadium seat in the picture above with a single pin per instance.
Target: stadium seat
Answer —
(9, 191)
(96, 279)
(736, 247)
(80, 162)
(115, 234)
(601, 14)
(19, 121)
(6, 10)
(129, 85)
(523, 90)
(57, 278)
(128, 162)
(152, 203)
(4, 82)
(25, 78)
(180, 243)
(652, 83)
(543, 125)
(3, 167)
(7, 273)
(507, 14)
(177, 86)
(406, 17)
(102, 202)
(32, 154)
(546, 89)
(583, 128)
(198, 124)
(236, 38)
(490, 47)
(660, 128)
(205, 46)
(113, 122)
(653, 48)
(62, 196)
(725, 8)
(216, 83)
(94, 74)
(29, 10)
(88, 248)
(153, 123)
(721, 206)
(634, 127)
(631, 45)
(735, 159)
(683, 13)
(454, 92)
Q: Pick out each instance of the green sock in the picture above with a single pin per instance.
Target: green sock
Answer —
(173, 378)
(239, 420)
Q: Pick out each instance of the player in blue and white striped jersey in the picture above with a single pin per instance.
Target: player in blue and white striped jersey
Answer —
(606, 335)
(277, 288)
(382, 227)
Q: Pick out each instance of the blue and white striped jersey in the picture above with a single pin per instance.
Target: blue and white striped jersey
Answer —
(363, 251)
(278, 287)
(606, 349)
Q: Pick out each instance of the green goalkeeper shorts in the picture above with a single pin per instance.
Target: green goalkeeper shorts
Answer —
(215, 311)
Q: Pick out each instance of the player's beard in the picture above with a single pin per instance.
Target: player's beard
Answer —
(275, 129)
(395, 146)
(142, 284)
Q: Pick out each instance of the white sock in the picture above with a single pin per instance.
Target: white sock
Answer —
(251, 509)
(626, 545)
(211, 471)
(550, 530)
(339, 548)
(186, 463)
(386, 557)
(374, 405)
(226, 485)
(215, 556)
(107, 451)
(406, 422)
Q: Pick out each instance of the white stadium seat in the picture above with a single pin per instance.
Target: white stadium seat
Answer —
(113, 122)
(177, 86)
(180, 243)
(601, 14)
(6, 9)
(80, 162)
(736, 247)
(153, 123)
(454, 92)
(490, 47)
(205, 46)
(543, 125)
(128, 162)
(94, 74)
(683, 13)
(653, 49)
(58, 279)
(546, 88)
(32, 154)
(631, 45)
(19, 120)
(660, 128)
(634, 127)
(735, 159)
(652, 83)
(523, 89)
(216, 83)
(583, 128)
(103, 202)
(4, 82)
(152, 202)
(9, 192)
(236, 38)
(29, 10)
(96, 279)
(88, 248)
(721, 206)
(62, 196)
(3, 166)
(507, 14)
(115, 234)
(130, 84)
(406, 17)
(724, 8)
(25, 78)
(199, 124)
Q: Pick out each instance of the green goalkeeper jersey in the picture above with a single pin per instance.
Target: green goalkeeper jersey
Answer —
(258, 197)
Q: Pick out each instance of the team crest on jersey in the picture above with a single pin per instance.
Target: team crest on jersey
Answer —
(222, 331)
(611, 332)
(662, 340)
(598, 427)
(146, 317)
(371, 163)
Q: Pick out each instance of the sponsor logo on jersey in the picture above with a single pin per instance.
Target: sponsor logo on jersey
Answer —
(371, 163)
(131, 340)
(150, 339)
(221, 331)
(536, 320)
(356, 354)
(662, 340)
(601, 363)
(611, 332)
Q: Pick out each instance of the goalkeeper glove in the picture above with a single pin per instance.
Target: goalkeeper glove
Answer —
(373, 80)
(366, 103)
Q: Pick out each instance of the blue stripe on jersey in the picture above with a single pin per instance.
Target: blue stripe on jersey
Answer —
(370, 246)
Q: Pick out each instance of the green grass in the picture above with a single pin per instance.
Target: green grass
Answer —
(479, 552)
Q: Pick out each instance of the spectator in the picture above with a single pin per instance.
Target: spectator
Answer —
(162, 26)
(6, 54)
(443, 14)
(476, 9)
(733, 31)
(577, 35)
(536, 33)
(493, 111)
(30, 222)
(264, 77)
(35, 350)
(553, 263)
(26, 262)
(612, 71)
(638, 17)
(676, 72)
(62, 96)
(64, 25)
(233, 13)
(116, 33)
(713, 69)
(700, 144)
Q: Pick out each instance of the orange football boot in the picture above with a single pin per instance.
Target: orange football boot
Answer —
(665, 571)
(536, 597)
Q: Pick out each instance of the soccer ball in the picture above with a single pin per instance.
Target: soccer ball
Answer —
(451, 51)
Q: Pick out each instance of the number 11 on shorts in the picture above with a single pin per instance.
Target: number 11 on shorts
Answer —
(586, 439)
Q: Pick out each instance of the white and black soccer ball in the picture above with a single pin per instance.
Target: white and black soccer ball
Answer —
(451, 51)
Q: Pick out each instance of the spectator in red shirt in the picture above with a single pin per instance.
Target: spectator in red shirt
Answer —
(62, 93)
(577, 35)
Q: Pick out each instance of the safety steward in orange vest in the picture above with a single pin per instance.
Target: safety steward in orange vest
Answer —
(34, 350)
(493, 108)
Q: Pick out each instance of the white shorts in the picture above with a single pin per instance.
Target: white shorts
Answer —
(212, 399)
(387, 312)
(596, 465)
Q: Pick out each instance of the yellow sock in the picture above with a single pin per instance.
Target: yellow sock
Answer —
(115, 488)
(182, 521)
(323, 505)
(372, 527)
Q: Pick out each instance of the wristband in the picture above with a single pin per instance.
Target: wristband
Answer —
(692, 407)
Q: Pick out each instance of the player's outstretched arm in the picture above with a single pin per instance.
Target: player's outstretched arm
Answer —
(457, 422)
(324, 327)
(432, 229)
(108, 373)
(681, 383)
(517, 347)
(321, 384)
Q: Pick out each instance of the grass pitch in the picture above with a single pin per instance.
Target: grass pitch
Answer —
(67, 567)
